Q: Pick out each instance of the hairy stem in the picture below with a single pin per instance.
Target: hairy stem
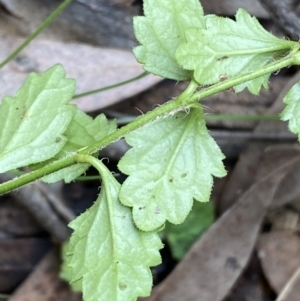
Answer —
(142, 120)
(184, 100)
(44, 25)
(37, 174)
(234, 81)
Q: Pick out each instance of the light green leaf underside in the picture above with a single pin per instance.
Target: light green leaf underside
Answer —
(161, 31)
(228, 48)
(109, 255)
(32, 123)
(172, 161)
(66, 271)
(181, 237)
(82, 131)
(291, 113)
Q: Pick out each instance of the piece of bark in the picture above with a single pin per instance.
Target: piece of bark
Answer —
(217, 259)
(230, 7)
(97, 22)
(17, 258)
(279, 254)
(283, 14)
(43, 284)
(87, 21)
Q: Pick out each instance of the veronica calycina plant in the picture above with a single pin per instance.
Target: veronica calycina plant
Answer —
(173, 157)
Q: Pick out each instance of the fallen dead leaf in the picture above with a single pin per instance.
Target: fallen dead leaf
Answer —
(92, 67)
(279, 253)
(251, 286)
(289, 189)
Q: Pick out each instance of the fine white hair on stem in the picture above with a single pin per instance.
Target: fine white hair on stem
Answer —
(139, 110)
(105, 158)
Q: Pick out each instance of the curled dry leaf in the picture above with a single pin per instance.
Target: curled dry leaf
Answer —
(92, 67)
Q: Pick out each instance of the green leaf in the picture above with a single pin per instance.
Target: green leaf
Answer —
(227, 48)
(291, 113)
(161, 31)
(82, 131)
(32, 123)
(181, 237)
(172, 161)
(66, 271)
(109, 255)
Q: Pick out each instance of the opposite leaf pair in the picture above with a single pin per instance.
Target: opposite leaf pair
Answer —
(180, 43)
(172, 161)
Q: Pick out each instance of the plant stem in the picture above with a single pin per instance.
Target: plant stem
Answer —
(111, 86)
(218, 117)
(234, 81)
(92, 161)
(62, 163)
(37, 32)
(184, 100)
(167, 108)
(37, 174)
